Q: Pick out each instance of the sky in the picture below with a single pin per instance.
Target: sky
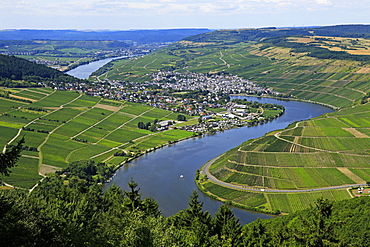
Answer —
(164, 14)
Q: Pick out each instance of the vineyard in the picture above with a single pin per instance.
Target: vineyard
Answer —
(60, 127)
(330, 150)
(336, 83)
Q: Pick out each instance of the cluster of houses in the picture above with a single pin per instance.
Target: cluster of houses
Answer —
(214, 83)
(167, 82)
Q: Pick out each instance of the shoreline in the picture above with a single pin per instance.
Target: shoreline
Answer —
(335, 108)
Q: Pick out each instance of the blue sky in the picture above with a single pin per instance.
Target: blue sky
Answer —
(160, 14)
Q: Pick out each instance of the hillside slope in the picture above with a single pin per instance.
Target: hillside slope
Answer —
(297, 165)
(333, 79)
(60, 127)
(18, 69)
(321, 153)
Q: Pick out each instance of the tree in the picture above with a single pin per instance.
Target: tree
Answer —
(226, 226)
(195, 210)
(316, 227)
(10, 157)
(133, 197)
(181, 117)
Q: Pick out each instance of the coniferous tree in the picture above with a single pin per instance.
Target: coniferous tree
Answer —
(133, 197)
(226, 226)
(9, 158)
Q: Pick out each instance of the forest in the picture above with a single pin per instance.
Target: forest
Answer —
(14, 69)
(71, 208)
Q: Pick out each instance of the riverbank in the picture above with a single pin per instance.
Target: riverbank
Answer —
(208, 130)
(158, 172)
(319, 157)
(335, 108)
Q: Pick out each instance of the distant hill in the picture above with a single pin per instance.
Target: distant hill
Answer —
(354, 31)
(140, 36)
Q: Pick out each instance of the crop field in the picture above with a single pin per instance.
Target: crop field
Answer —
(8, 105)
(32, 139)
(63, 127)
(156, 114)
(56, 99)
(242, 197)
(25, 174)
(330, 150)
(30, 94)
(269, 113)
(298, 201)
(7, 134)
(135, 109)
(163, 138)
(86, 152)
(123, 136)
(84, 101)
(114, 121)
(326, 132)
(362, 173)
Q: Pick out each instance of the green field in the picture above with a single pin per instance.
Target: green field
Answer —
(330, 150)
(64, 127)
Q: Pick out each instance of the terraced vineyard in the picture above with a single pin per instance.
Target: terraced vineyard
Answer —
(61, 127)
(331, 150)
(336, 83)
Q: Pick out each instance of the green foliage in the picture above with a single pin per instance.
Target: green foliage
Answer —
(181, 117)
(88, 171)
(68, 210)
(9, 158)
(15, 68)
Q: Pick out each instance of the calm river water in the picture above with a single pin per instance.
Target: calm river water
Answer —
(158, 173)
(84, 71)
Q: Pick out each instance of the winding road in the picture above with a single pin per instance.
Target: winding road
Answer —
(205, 171)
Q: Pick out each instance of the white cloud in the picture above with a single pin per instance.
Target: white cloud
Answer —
(324, 2)
(184, 11)
(119, 7)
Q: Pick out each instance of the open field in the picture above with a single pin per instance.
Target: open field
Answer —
(63, 127)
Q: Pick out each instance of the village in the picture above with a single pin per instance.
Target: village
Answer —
(192, 94)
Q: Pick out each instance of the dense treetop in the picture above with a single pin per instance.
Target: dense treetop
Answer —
(15, 68)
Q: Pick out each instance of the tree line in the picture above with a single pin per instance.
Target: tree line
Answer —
(15, 68)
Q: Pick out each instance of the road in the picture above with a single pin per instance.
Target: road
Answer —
(205, 170)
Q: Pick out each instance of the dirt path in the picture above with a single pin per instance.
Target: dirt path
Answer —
(351, 175)
(19, 97)
(221, 58)
(356, 133)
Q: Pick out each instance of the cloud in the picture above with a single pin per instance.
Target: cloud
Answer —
(170, 7)
(324, 2)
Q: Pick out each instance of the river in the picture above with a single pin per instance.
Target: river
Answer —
(158, 173)
(84, 71)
